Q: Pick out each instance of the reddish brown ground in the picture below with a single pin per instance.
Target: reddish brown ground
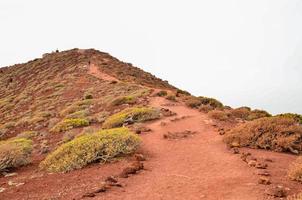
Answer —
(198, 167)
(94, 71)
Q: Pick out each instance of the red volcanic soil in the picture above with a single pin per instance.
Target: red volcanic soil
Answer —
(195, 167)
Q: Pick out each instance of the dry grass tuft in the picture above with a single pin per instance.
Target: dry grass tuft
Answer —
(15, 153)
(295, 170)
(273, 133)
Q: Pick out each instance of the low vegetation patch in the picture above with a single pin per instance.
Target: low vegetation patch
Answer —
(123, 100)
(15, 153)
(131, 115)
(219, 115)
(68, 124)
(100, 146)
(296, 117)
(273, 133)
(28, 134)
(196, 102)
(162, 93)
(295, 170)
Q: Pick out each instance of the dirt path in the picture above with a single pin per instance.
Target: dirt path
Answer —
(94, 71)
(199, 167)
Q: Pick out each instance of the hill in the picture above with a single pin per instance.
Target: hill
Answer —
(81, 124)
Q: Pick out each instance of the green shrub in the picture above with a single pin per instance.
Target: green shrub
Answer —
(162, 93)
(68, 124)
(273, 133)
(296, 117)
(256, 114)
(136, 114)
(295, 170)
(100, 146)
(193, 102)
(123, 100)
(15, 153)
(211, 101)
(182, 92)
(171, 97)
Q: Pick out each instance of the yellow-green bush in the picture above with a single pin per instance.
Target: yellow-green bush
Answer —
(68, 124)
(294, 116)
(295, 170)
(123, 100)
(100, 146)
(15, 153)
(28, 134)
(136, 114)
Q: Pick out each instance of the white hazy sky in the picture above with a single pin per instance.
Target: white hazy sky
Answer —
(243, 52)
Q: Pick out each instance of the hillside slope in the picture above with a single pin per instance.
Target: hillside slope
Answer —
(117, 132)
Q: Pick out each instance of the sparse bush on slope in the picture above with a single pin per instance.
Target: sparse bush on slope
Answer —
(295, 170)
(274, 133)
(135, 114)
(68, 124)
(100, 146)
(15, 153)
(196, 102)
(123, 100)
(296, 117)
(219, 115)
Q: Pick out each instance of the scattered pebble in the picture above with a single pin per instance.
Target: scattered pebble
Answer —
(264, 180)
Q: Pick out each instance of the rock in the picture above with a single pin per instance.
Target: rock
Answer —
(235, 144)
(263, 173)
(111, 179)
(133, 169)
(244, 156)
(89, 195)
(12, 183)
(2, 189)
(264, 180)
(252, 163)
(277, 191)
(261, 165)
(103, 188)
(10, 174)
(268, 160)
(139, 157)
(163, 123)
(235, 150)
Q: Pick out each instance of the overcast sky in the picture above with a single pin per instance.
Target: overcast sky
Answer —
(242, 52)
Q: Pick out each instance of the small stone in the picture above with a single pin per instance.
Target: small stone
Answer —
(277, 191)
(2, 189)
(252, 163)
(139, 157)
(89, 195)
(268, 160)
(264, 180)
(9, 174)
(261, 165)
(111, 179)
(235, 150)
(263, 173)
(235, 144)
